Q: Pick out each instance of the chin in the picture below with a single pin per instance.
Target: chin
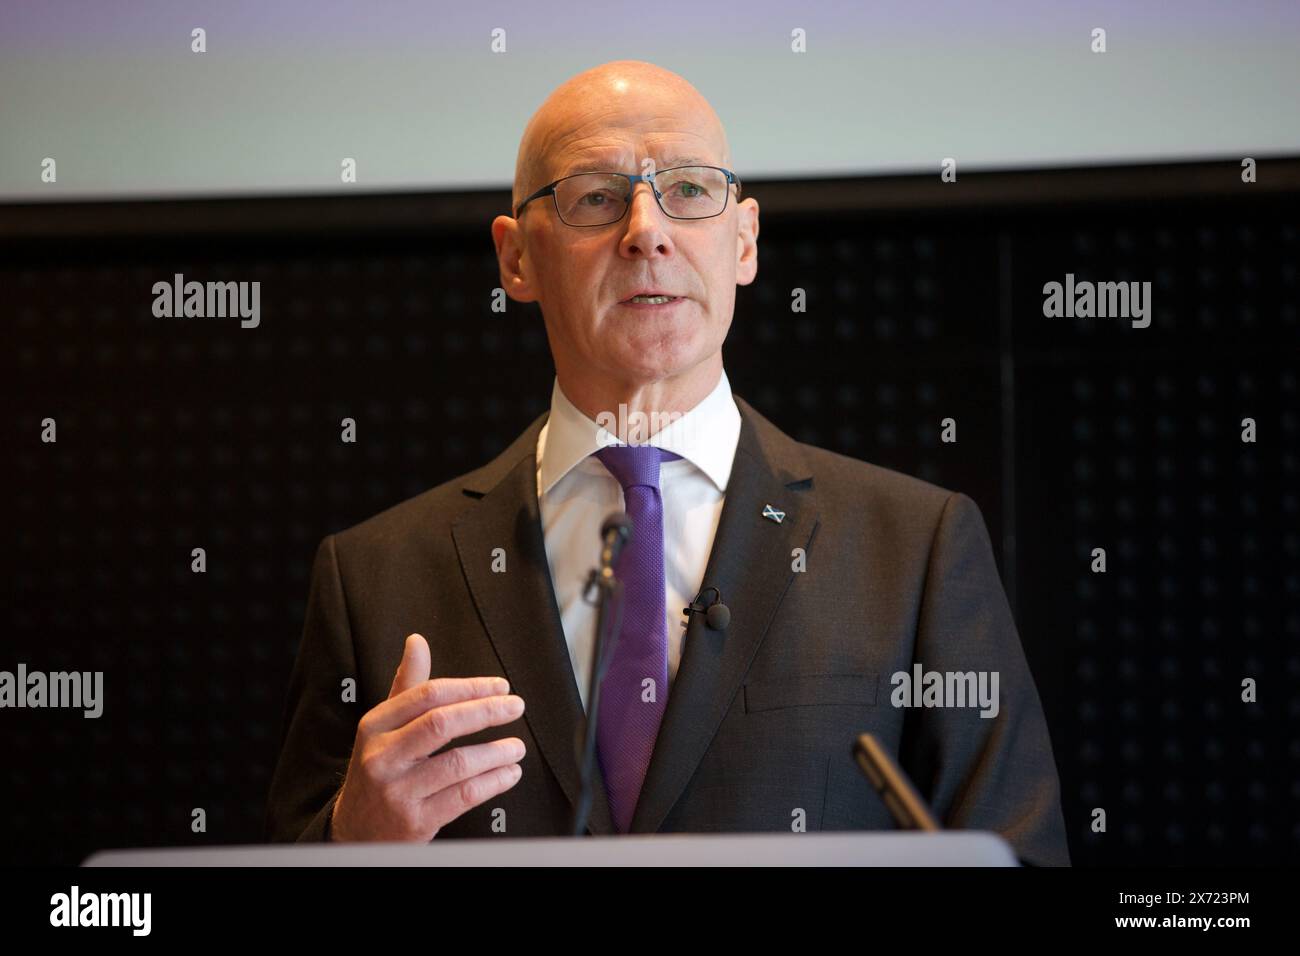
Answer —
(645, 373)
(656, 357)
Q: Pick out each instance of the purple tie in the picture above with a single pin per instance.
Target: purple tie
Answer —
(630, 712)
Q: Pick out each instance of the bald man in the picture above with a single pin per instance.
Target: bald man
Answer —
(446, 659)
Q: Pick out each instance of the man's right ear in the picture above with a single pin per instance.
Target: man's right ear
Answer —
(507, 236)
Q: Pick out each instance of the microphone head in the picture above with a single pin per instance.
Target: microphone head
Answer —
(718, 616)
(618, 521)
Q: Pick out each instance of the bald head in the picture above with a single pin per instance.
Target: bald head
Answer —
(592, 113)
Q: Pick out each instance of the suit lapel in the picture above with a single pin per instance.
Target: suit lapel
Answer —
(519, 610)
(751, 565)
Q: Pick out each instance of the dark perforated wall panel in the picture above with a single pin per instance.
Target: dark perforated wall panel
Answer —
(1072, 434)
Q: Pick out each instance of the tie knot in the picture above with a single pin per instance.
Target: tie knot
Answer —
(633, 465)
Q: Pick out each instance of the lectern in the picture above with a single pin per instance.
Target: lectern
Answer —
(849, 848)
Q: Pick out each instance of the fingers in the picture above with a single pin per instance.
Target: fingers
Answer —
(464, 763)
(437, 727)
(391, 779)
(414, 668)
(450, 802)
(398, 711)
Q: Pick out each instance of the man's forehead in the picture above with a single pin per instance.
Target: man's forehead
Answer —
(614, 118)
(628, 160)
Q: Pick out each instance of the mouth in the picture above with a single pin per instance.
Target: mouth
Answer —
(652, 300)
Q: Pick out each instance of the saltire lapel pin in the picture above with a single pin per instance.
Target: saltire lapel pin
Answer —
(772, 514)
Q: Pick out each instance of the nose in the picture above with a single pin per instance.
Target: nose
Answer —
(647, 226)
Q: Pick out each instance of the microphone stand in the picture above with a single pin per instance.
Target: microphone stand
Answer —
(609, 619)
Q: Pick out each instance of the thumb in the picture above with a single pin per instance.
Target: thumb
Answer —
(414, 668)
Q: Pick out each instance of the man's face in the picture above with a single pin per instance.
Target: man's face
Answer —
(582, 276)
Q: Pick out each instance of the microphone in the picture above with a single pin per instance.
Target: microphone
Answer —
(905, 805)
(716, 614)
(615, 532)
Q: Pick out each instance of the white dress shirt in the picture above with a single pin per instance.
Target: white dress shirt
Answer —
(576, 492)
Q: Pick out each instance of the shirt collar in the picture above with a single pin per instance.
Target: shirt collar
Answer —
(706, 436)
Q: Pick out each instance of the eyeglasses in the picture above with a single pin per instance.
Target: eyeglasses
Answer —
(598, 199)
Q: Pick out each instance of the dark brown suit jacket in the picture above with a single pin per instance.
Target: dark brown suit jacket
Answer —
(760, 718)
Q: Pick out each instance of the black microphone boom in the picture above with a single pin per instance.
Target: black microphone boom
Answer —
(615, 532)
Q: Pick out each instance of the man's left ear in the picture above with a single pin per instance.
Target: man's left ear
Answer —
(747, 242)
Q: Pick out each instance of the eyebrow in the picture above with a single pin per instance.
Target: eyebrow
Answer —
(668, 163)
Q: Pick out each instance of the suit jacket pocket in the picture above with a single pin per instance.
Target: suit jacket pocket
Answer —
(807, 690)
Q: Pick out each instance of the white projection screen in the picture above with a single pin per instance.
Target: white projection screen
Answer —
(433, 95)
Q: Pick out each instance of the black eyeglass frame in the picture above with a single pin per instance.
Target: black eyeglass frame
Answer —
(632, 180)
